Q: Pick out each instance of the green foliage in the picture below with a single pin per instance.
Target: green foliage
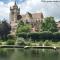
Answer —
(4, 29)
(11, 37)
(20, 41)
(23, 35)
(56, 36)
(40, 43)
(23, 27)
(28, 43)
(38, 36)
(0, 43)
(42, 35)
(49, 24)
(10, 42)
(47, 43)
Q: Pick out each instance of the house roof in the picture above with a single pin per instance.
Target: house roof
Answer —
(37, 16)
(34, 15)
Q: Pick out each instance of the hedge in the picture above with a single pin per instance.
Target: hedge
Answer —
(41, 36)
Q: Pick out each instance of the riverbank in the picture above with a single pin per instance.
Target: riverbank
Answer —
(27, 47)
(22, 43)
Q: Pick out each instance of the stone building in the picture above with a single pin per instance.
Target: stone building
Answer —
(14, 12)
(58, 25)
(34, 19)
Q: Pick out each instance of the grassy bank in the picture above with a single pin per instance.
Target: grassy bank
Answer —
(29, 42)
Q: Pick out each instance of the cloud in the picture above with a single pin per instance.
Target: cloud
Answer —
(33, 6)
(47, 8)
(29, 5)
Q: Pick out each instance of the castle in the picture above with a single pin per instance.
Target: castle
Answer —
(34, 19)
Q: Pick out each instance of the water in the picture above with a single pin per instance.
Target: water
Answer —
(29, 54)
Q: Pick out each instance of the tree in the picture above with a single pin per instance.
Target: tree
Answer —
(49, 24)
(4, 29)
(23, 27)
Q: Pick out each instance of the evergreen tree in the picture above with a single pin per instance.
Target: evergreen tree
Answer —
(4, 29)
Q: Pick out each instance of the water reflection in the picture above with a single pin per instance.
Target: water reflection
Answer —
(29, 54)
(5, 53)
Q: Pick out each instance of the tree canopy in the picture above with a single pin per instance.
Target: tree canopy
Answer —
(23, 27)
(49, 24)
(4, 29)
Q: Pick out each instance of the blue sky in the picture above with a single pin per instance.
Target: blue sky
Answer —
(33, 6)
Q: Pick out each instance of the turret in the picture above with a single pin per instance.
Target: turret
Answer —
(14, 12)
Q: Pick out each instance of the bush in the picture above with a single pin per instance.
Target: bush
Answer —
(23, 27)
(40, 43)
(41, 35)
(28, 43)
(38, 36)
(47, 43)
(0, 43)
(23, 35)
(11, 37)
(20, 41)
(10, 42)
(56, 36)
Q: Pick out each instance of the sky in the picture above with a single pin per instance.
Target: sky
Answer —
(33, 6)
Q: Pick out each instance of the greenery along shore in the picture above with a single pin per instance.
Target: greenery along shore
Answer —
(47, 35)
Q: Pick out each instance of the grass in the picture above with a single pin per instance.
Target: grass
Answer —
(23, 42)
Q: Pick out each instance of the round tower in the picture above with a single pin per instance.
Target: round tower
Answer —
(14, 12)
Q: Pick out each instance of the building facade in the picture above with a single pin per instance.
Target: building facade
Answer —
(34, 19)
(14, 12)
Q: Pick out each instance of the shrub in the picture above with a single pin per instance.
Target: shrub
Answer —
(11, 37)
(10, 42)
(0, 43)
(40, 43)
(56, 36)
(28, 43)
(20, 41)
(23, 35)
(47, 43)
(23, 28)
(38, 36)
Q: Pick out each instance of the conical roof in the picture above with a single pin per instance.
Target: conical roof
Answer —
(15, 4)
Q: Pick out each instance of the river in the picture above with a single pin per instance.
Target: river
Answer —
(29, 54)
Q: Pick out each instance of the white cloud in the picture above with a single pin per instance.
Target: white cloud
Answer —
(10, 4)
(29, 5)
(48, 8)
(4, 10)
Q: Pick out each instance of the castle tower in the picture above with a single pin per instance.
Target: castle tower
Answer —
(14, 12)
